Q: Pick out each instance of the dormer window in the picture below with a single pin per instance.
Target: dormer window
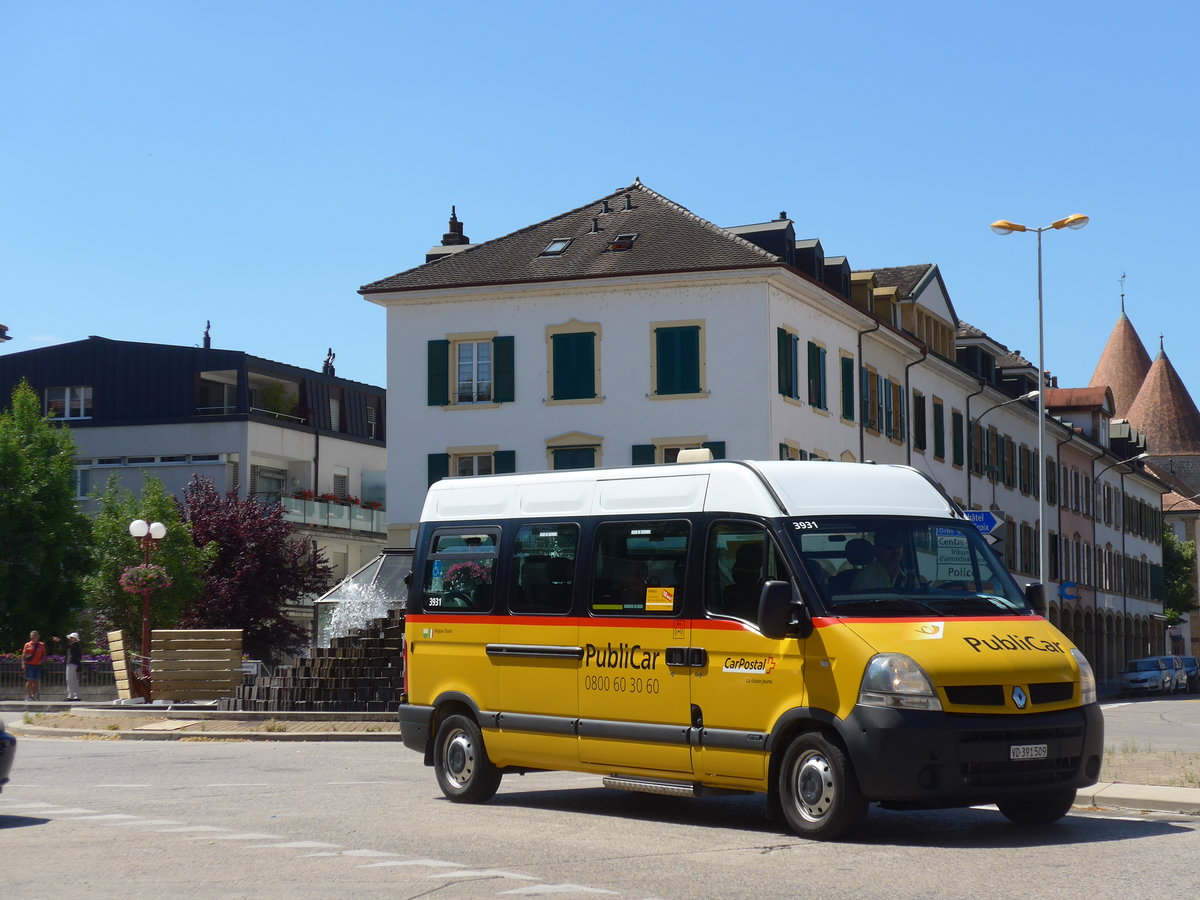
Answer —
(557, 247)
(622, 242)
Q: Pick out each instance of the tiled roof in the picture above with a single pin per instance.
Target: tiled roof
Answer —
(904, 278)
(1079, 398)
(1165, 412)
(1123, 365)
(670, 239)
(967, 330)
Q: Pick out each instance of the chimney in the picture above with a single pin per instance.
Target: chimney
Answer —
(207, 339)
(327, 368)
(455, 235)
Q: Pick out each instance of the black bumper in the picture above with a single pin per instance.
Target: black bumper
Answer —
(945, 758)
(415, 722)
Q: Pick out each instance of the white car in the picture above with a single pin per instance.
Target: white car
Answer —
(1178, 673)
(1148, 675)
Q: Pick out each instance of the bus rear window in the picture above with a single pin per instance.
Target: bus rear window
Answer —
(460, 571)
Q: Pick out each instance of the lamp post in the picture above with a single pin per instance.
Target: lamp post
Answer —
(148, 534)
(1003, 226)
(971, 431)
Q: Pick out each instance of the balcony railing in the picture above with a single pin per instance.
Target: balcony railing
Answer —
(333, 515)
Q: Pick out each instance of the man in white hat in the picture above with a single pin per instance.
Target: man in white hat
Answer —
(74, 658)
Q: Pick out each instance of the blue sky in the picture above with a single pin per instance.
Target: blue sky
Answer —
(253, 163)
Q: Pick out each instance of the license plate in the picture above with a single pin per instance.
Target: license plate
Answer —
(1028, 751)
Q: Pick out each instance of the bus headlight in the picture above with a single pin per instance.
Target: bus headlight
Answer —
(895, 681)
(1087, 678)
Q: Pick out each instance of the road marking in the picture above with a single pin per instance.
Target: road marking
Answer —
(368, 853)
(483, 873)
(141, 822)
(433, 863)
(534, 889)
(244, 836)
(121, 785)
(240, 784)
(298, 845)
(185, 828)
(333, 783)
(102, 816)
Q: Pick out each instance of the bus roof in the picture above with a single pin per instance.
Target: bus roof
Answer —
(768, 489)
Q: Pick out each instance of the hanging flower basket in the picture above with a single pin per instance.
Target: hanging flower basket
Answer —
(137, 579)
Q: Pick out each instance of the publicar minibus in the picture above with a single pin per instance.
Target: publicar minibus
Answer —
(828, 634)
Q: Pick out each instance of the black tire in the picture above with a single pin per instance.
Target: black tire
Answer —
(464, 772)
(1037, 809)
(817, 789)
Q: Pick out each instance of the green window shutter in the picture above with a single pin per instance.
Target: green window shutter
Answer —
(814, 385)
(783, 451)
(575, 458)
(956, 437)
(888, 411)
(504, 461)
(574, 360)
(939, 431)
(821, 370)
(880, 421)
(643, 454)
(677, 352)
(864, 395)
(503, 362)
(717, 448)
(783, 348)
(439, 466)
(438, 377)
(848, 388)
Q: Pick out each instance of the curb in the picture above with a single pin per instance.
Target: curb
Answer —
(135, 735)
(1141, 797)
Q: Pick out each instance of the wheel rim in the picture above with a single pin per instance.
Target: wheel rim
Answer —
(815, 786)
(460, 759)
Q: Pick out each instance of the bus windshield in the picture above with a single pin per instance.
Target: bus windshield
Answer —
(870, 566)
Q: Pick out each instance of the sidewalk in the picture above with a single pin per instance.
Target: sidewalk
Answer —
(1143, 781)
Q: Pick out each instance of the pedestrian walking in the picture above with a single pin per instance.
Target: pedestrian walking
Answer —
(74, 659)
(32, 655)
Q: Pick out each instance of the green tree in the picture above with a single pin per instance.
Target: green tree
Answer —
(1179, 567)
(44, 550)
(110, 607)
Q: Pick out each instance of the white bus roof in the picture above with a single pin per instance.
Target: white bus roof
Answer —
(768, 489)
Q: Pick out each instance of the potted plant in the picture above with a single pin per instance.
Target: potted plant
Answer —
(329, 498)
(372, 504)
(305, 494)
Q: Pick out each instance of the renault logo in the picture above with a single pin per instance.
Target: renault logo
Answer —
(1019, 697)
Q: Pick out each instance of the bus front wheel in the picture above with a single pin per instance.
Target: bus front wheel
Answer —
(817, 791)
(464, 772)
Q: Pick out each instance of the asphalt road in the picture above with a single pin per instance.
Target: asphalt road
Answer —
(102, 819)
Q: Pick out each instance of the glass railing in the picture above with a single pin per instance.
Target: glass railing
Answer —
(327, 514)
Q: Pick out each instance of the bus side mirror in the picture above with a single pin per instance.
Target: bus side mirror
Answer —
(1035, 595)
(781, 612)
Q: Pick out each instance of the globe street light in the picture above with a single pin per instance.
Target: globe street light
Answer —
(148, 534)
(1003, 226)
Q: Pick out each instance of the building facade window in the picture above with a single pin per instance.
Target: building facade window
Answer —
(69, 402)
(816, 376)
(677, 365)
(939, 429)
(957, 438)
(483, 370)
(847, 363)
(920, 434)
(787, 347)
(574, 361)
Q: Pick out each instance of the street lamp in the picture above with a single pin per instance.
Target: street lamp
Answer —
(1003, 226)
(971, 432)
(148, 534)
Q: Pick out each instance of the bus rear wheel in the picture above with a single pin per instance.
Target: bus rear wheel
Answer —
(817, 790)
(464, 772)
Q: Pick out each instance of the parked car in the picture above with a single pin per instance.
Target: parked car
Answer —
(1148, 675)
(1179, 677)
(8, 749)
(1191, 665)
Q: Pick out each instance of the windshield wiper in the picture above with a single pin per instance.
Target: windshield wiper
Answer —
(888, 600)
(976, 601)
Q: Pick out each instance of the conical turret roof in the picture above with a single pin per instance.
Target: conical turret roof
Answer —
(1123, 365)
(1165, 412)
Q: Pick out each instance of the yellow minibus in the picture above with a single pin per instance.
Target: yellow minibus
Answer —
(831, 635)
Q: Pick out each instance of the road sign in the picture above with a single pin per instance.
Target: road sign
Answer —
(1066, 591)
(985, 520)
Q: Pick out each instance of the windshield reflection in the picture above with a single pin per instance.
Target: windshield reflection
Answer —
(905, 567)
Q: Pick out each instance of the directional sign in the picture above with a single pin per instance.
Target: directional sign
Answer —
(1066, 591)
(985, 520)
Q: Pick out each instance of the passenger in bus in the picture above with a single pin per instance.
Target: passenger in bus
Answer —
(629, 583)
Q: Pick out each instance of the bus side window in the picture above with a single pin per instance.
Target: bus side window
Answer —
(543, 569)
(460, 571)
(741, 558)
(638, 567)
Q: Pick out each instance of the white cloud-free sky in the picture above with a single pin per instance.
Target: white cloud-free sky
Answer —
(253, 163)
